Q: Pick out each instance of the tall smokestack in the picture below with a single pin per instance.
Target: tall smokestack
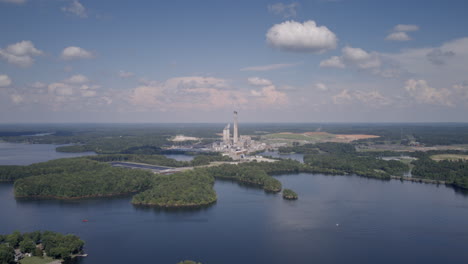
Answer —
(235, 128)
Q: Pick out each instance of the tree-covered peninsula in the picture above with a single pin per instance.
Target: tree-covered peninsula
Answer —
(184, 189)
(39, 245)
(78, 178)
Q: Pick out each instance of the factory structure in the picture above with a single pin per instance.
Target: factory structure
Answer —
(236, 146)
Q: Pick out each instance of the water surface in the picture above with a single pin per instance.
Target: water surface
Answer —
(337, 219)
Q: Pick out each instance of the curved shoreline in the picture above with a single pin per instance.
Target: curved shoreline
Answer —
(167, 206)
(73, 198)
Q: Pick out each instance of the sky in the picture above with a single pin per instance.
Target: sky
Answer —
(197, 61)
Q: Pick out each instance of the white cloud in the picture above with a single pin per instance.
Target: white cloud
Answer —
(301, 37)
(321, 87)
(353, 57)
(70, 53)
(256, 81)
(400, 32)
(269, 67)
(398, 36)
(21, 53)
(405, 28)
(60, 89)
(77, 79)
(76, 8)
(360, 58)
(125, 74)
(369, 98)
(16, 98)
(4, 80)
(286, 10)
(423, 93)
(333, 62)
(38, 85)
(14, 1)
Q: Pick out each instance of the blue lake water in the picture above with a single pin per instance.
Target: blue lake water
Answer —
(293, 156)
(25, 154)
(179, 157)
(337, 219)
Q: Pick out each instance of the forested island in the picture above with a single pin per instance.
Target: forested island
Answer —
(37, 246)
(289, 194)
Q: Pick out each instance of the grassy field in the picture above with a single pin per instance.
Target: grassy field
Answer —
(36, 260)
(449, 157)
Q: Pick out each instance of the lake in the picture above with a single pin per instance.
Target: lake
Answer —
(337, 219)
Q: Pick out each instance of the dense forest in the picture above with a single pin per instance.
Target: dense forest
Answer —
(342, 158)
(78, 177)
(40, 244)
(184, 189)
(452, 172)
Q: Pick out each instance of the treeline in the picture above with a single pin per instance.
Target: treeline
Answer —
(452, 172)
(184, 189)
(342, 158)
(66, 165)
(37, 243)
(80, 177)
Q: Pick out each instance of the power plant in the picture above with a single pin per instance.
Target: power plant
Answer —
(237, 146)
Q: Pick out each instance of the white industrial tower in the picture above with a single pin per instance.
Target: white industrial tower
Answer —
(226, 134)
(236, 135)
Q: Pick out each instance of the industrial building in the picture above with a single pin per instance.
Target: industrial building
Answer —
(237, 146)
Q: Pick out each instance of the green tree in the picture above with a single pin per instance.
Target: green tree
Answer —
(27, 245)
(7, 254)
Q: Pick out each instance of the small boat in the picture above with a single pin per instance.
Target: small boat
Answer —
(85, 220)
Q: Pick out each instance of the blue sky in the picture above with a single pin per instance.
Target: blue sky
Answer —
(196, 61)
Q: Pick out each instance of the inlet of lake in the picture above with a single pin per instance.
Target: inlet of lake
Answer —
(337, 219)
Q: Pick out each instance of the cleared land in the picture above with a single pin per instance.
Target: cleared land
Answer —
(449, 157)
(314, 137)
(180, 138)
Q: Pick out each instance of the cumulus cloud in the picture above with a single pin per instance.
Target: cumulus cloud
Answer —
(21, 53)
(125, 74)
(75, 8)
(398, 36)
(333, 62)
(285, 10)
(13, 1)
(360, 58)
(72, 52)
(321, 87)
(423, 93)
(301, 37)
(269, 67)
(38, 85)
(77, 79)
(4, 80)
(202, 93)
(16, 98)
(256, 81)
(405, 28)
(353, 57)
(369, 98)
(400, 32)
